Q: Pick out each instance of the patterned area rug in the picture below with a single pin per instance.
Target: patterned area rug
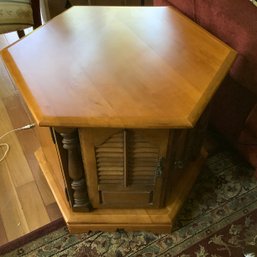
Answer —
(219, 219)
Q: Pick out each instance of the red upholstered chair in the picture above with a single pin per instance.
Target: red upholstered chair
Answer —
(19, 15)
(234, 108)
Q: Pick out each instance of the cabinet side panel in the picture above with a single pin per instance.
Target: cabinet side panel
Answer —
(49, 150)
(88, 157)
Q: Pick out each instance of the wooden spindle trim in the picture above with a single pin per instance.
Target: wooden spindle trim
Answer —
(79, 198)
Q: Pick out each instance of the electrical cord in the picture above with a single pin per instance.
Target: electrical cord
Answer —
(29, 126)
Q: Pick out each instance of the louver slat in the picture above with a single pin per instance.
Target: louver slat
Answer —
(110, 160)
(142, 160)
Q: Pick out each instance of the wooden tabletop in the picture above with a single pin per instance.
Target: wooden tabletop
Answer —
(141, 67)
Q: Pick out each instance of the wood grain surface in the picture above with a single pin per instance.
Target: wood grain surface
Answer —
(118, 67)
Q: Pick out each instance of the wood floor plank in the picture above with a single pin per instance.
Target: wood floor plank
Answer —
(43, 187)
(11, 37)
(24, 192)
(18, 115)
(3, 236)
(12, 215)
(6, 86)
(29, 143)
(32, 205)
(53, 211)
(17, 163)
(3, 41)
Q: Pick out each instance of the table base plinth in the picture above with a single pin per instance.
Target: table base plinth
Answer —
(154, 220)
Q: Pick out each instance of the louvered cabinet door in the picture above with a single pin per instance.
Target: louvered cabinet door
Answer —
(125, 168)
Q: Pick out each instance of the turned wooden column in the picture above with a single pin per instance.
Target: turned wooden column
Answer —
(74, 169)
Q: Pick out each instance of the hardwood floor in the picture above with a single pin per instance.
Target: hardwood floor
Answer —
(26, 202)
